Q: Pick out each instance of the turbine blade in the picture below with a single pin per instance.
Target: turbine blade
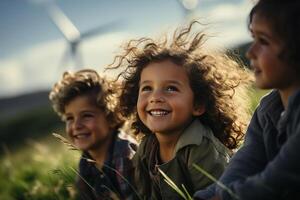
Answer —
(63, 23)
(104, 28)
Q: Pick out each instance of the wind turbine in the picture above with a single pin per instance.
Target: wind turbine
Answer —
(188, 7)
(72, 34)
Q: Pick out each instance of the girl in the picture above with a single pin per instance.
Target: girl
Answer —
(184, 101)
(84, 101)
(268, 165)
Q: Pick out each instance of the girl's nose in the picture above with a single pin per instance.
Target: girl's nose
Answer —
(157, 100)
(157, 97)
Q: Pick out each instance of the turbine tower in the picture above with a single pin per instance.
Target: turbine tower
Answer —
(72, 34)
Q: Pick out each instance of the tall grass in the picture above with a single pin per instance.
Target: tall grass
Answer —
(40, 170)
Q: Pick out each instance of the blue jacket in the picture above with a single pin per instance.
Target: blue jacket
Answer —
(268, 164)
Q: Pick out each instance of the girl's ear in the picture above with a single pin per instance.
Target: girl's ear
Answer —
(198, 110)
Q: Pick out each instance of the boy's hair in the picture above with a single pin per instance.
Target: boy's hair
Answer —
(284, 20)
(214, 80)
(86, 82)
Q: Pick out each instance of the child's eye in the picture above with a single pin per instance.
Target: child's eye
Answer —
(69, 118)
(262, 41)
(87, 115)
(171, 88)
(145, 88)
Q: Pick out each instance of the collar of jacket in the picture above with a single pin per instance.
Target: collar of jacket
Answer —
(194, 134)
(272, 106)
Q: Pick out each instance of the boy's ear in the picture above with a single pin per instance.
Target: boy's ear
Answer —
(198, 110)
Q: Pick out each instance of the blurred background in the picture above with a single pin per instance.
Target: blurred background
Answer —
(40, 39)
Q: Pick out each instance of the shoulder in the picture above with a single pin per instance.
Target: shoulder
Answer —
(269, 109)
(269, 102)
(206, 156)
(210, 151)
(201, 139)
(205, 149)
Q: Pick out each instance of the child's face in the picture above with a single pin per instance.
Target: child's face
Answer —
(166, 101)
(269, 70)
(86, 124)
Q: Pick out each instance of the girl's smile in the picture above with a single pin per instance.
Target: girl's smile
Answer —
(166, 101)
(158, 112)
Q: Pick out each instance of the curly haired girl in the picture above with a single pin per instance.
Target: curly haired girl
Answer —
(187, 103)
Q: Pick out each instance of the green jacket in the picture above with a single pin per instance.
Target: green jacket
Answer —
(196, 145)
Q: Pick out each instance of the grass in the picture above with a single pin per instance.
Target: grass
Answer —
(36, 123)
(256, 95)
(40, 170)
(182, 192)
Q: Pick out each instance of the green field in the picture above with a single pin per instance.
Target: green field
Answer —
(38, 170)
(43, 168)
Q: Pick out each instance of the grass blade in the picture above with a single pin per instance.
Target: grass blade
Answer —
(220, 184)
(65, 141)
(184, 194)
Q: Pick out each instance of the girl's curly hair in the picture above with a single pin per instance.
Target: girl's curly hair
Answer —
(86, 82)
(217, 81)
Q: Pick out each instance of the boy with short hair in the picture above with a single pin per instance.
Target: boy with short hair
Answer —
(85, 102)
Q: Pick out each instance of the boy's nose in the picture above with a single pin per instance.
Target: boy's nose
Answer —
(77, 124)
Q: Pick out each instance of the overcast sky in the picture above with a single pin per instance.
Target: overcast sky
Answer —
(32, 48)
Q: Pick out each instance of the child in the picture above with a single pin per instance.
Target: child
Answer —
(183, 101)
(85, 102)
(268, 165)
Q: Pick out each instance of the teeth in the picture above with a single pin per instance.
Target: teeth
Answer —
(81, 136)
(158, 113)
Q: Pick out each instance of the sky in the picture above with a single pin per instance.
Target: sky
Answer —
(32, 48)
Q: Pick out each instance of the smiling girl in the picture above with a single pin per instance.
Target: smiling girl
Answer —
(184, 101)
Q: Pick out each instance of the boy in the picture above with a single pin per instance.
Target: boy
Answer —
(268, 166)
(85, 103)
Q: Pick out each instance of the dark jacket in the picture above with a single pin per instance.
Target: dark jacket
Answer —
(268, 164)
(196, 145)
(104, 183)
